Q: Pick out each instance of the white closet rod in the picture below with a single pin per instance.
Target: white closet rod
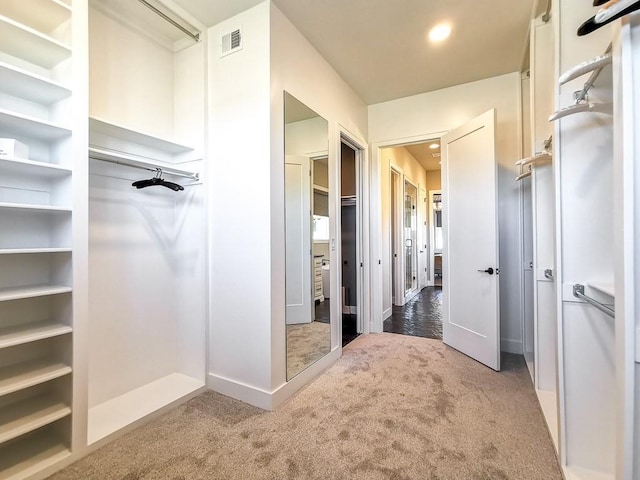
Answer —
(164, 16)
(578, 291)
(104, 156)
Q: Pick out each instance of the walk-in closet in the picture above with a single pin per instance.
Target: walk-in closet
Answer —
(580, 331)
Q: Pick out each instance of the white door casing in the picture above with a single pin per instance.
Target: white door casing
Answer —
(423, 235)
(298, 240)
(471, 307)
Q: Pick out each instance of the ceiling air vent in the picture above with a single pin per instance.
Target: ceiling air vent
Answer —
(231, 42)
(435, 155)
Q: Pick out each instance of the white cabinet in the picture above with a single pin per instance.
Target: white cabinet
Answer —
(317, 279)
(36, 204)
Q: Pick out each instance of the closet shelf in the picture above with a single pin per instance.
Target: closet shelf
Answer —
(19, 335)
(127, 135)
(22, 251)
(24, 375)
(13, 165)
(138, 162)
(31, 454)
(23, 125)
(28, 44)
(32, 207)
(8, 294)
(42, 15)
(320, 188)
(21, 83)
(30, 415)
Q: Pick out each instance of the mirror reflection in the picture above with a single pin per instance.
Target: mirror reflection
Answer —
(307, 236)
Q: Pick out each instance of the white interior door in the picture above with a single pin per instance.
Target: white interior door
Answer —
(298, 239)
(424, 236)
(471, 312)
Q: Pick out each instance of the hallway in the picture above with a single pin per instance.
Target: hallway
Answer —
(420, 317)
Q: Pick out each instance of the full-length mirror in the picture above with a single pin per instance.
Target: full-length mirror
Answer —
(307, 236)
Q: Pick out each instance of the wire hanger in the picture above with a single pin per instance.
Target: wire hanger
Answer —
(157, 180)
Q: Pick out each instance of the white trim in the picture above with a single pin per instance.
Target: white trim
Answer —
(387, 313)
(408, 295)
(272, 400)
(363, 255)
(432, 237)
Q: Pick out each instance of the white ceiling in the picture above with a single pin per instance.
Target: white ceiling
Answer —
(380, 47)
(424, 154)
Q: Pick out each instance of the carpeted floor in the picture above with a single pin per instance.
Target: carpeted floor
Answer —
(393, 407)
(306, 343)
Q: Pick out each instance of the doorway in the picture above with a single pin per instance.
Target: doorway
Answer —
(412, 305)
(351, 248)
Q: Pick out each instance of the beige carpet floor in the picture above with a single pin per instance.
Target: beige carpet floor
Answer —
(393, 407)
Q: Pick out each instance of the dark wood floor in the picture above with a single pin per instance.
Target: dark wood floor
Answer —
(349, 322)
(420, 317)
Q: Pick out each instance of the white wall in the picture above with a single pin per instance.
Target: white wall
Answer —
(433, 112)
(240, 212)
(247, 301)
(300, 70)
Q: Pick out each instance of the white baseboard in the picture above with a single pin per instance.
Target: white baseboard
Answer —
(272, 400)
(387, 313)
(511, 346)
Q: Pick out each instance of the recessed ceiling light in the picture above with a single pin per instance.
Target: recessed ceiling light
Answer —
(440, 32)
(433, 146)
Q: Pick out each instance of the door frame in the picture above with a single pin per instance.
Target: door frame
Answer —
(363, 307)
(396, 259)
(408, 295)
(375, 191)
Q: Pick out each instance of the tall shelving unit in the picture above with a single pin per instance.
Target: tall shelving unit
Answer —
(36, 204)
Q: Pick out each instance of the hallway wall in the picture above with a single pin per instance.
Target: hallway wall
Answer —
(442, 110)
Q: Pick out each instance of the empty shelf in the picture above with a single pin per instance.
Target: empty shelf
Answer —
(29, 415)
(30, 45)
(21, 83)
(133, 136)
(31, 454)
(38, 208)
(603, 287)
(23, 251)
(25, 126)
(7, 294)
(19, 166)
(24, 375)
(43, 15)
(18, 335)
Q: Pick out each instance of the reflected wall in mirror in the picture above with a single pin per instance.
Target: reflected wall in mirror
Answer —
(307, 281)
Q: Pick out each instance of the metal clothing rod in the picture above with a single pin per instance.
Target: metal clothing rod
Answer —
(548, 273)
(578, 291)
(547, 14)
(167, 170)
(194, 36)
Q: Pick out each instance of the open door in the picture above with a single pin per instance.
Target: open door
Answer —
(471, 306)
(298, 240)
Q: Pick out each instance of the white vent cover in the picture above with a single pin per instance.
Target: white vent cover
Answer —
(435, 155)
(231, 42)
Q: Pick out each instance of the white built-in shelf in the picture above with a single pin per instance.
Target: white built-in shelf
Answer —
(28, 44)
(26, 126)
(603, 287)
(31, 454)
(122, 411)
(32, 207)
(42, 15)
(30, 251)
(24, 375)
(137, 161)
(320, 188)
(31, 168)
(132, 136)
(19, 335)
(8, 294)
(549, 405)
(577, 473)
(21, 83)
(27, 416)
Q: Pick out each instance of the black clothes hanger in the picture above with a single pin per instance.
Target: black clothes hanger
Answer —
(157, 180)
(591, 25)
(597, 3)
